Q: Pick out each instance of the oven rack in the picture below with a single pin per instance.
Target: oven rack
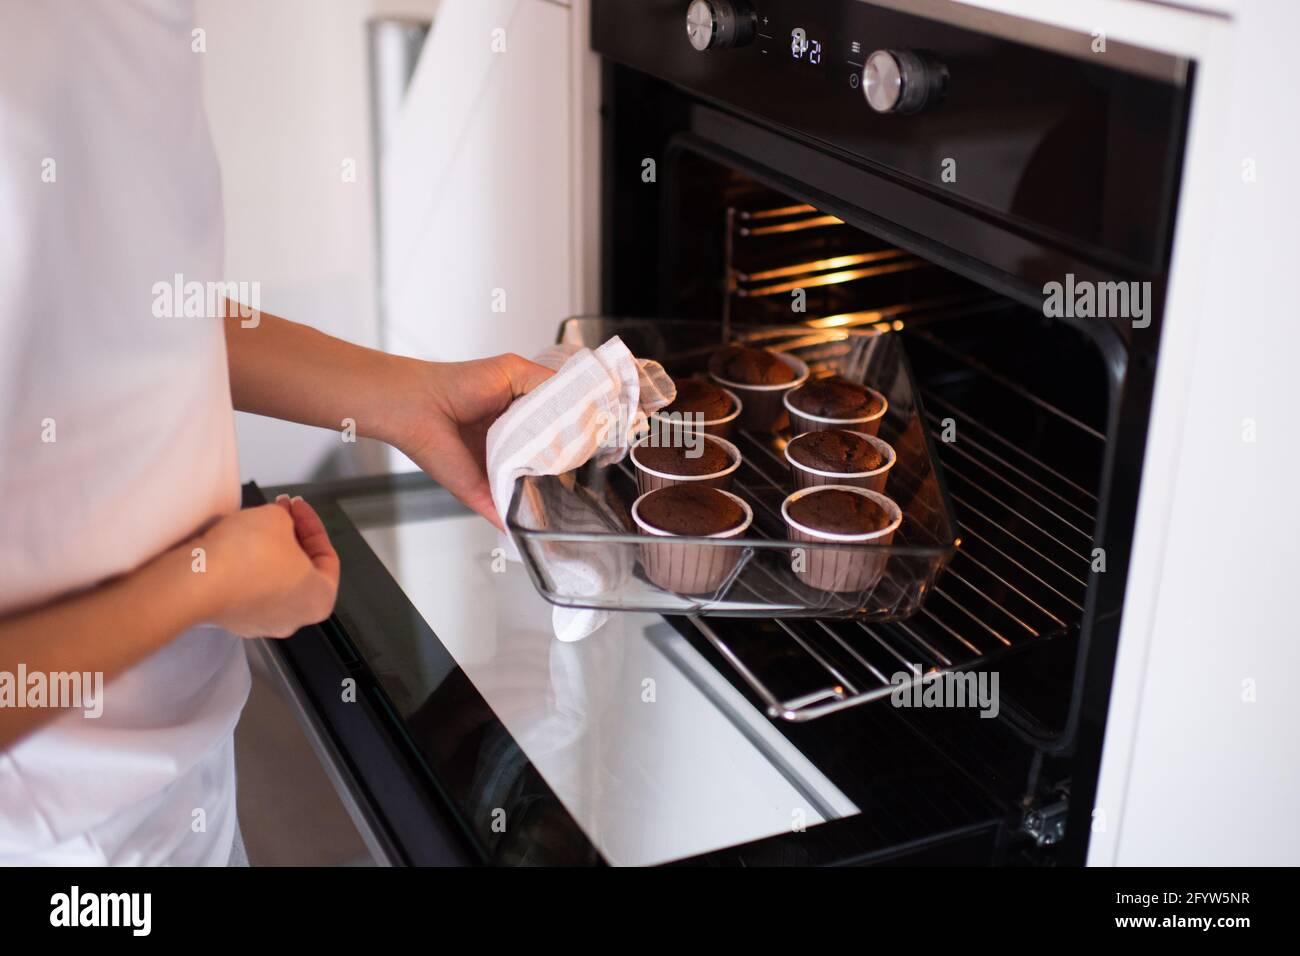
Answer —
(824, 271)
(774, 251)
(1018, 577)
(832, 257)
(1024, 530)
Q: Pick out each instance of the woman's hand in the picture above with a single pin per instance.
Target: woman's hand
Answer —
(455, 404)
(274, 569)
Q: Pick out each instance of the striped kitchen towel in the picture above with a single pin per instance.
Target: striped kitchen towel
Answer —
(589, 410)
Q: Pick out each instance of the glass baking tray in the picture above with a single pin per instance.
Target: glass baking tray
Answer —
(581, 547)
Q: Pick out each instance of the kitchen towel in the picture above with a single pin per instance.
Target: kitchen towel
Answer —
(591, 409)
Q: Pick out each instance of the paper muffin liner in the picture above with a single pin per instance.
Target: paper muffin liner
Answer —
(721, 427)
(647, 479)
(761, 409)
(843, 569)
(801, 476)
(801, 422)
(689, 568)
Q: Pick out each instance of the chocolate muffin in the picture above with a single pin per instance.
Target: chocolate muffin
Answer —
(747, 366)
(698, 397)
(836, 450)
(836, 397)
(710, 458)
(690, 510)
(835, 511)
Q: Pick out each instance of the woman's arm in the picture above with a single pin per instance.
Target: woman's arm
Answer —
(105, 630)
(437, 413)
(286, 370)
(264, 572)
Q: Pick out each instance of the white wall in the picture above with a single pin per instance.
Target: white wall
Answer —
(288, 102)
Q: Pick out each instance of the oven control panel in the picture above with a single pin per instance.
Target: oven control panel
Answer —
(1062, 132)
(891, 81)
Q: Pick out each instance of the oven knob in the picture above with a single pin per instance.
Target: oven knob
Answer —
(903, 81)
(718, 24)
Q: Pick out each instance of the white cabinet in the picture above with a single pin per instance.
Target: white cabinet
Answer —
(477, 203)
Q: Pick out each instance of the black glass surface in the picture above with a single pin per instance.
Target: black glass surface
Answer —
(442, 763)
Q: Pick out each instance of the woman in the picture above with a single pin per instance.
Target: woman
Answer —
(122, 549)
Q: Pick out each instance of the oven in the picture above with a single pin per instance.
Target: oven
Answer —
(998, 193)
(949, 219)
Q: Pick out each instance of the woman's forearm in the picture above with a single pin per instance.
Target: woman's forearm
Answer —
(437, 413)
(102, 631)
(291, 371)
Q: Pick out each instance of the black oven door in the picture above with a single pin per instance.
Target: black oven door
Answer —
(458, 730)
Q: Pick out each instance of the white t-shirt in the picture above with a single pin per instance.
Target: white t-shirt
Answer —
(109, 185)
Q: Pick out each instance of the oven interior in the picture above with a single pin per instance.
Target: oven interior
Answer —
(1021, 408)
(1017, 405)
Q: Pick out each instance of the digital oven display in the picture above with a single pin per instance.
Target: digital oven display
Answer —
(807, 47)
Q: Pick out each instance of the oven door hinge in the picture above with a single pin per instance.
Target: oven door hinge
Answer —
(1044, 821)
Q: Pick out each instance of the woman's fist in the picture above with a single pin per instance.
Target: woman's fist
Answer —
(275, 569)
